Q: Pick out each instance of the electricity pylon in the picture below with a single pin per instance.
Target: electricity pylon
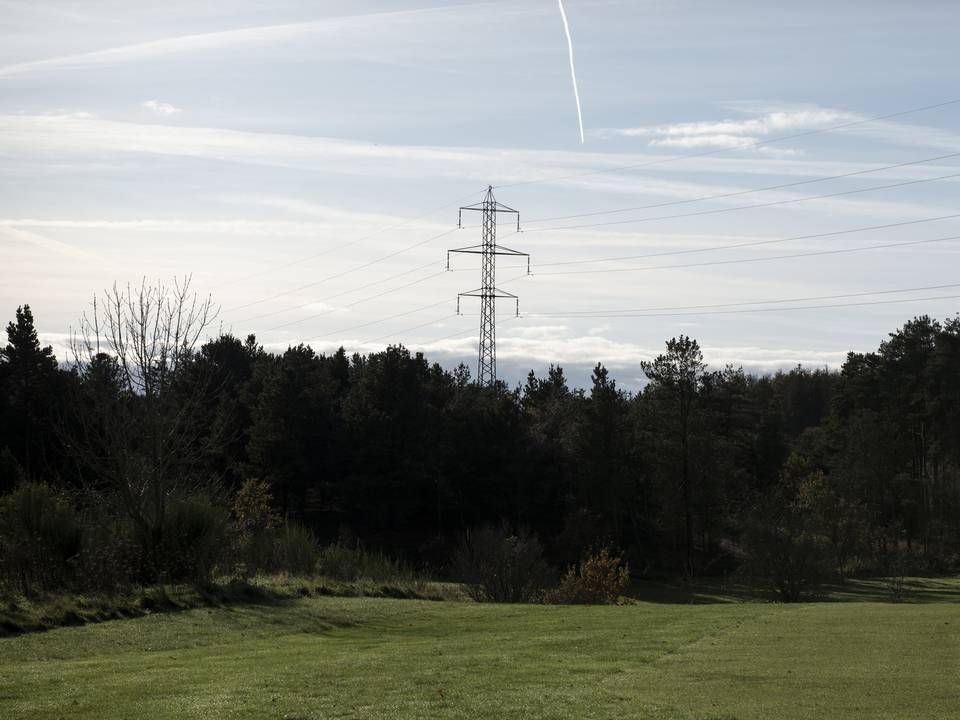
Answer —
(488, 292)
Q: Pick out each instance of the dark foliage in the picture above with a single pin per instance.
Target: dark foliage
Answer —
(499, 565)
(386, 450)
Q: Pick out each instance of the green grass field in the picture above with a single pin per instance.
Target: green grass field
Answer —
(325, 657)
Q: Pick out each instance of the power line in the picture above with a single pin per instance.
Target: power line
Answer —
(459, 333)
(773, 203)
(739, 193)
(339, 294)
(678, 266)
(642, 312)
(707, 310)
(334, 276)
(415, 327)
(291, 308)
(717, 151)
(783, 309)
(599, 171)
(358, 302)
(379, 320)
(758, 259)
(657, 161)
(373, 234)
(750, 243)
(402, 314)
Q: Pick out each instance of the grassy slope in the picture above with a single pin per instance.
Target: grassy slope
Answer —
(19, 614)
(374, 658)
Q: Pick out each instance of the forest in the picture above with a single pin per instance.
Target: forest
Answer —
(162, 451)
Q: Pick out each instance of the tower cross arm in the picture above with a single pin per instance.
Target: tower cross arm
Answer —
(495, 250)
(493, 292)
(489, 294)
(490, 208)
(495, 206)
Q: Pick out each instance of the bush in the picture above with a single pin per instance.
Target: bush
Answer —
(256, 551)
(110, 556)
(194, 540)
(500, 566)
(40, 538)
(599, 579)
(289, 548)
(785, 537)
(252, 507)
(11, 473)
(340, 562)
(295, 549)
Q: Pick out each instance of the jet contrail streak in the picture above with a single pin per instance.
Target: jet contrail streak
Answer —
(573, 71)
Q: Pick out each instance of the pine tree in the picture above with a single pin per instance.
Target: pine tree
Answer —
(29, 373)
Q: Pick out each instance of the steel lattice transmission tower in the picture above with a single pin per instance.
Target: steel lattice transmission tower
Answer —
(488, 292)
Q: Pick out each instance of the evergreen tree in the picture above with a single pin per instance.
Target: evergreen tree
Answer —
(679, 372)
(29, 394)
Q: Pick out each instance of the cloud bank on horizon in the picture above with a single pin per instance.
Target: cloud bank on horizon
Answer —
(311, 162)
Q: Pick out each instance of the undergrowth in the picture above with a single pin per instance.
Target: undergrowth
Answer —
(39, 612)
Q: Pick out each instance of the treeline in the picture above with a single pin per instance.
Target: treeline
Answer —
(791, 477)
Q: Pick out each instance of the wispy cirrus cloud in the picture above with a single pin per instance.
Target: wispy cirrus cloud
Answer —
(81, 134)
(45, 137)
(19, 235)
(253, 36)
(737, 133)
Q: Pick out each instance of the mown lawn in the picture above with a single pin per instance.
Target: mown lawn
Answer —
(323, 657)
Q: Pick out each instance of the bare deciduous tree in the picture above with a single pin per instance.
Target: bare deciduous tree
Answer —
(137, 434)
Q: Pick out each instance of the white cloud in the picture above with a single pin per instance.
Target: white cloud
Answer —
(579, 354)
(161, 108)
(884, 131)
(732, 134)
(321, 307)
(60, 342)
(557, 344)
(696, 141)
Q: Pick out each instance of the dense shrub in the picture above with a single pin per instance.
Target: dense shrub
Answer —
(195, 539)
(295, 549)
(600, 578)
(498, 565)
(289, 548)
(111, 557)
(40, 538)
(11, 473)
(340, 562)
(255, 552)
(786, 537)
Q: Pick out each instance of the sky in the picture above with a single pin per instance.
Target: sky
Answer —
(305, 161)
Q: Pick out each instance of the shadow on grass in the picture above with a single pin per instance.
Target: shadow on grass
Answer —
(718, 590)
(19, 614)
(913, 590)
(699, 591)
(22, 614)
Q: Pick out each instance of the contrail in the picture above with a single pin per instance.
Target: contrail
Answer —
(573, 70)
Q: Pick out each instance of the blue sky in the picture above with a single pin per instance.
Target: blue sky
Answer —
(297, 159)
